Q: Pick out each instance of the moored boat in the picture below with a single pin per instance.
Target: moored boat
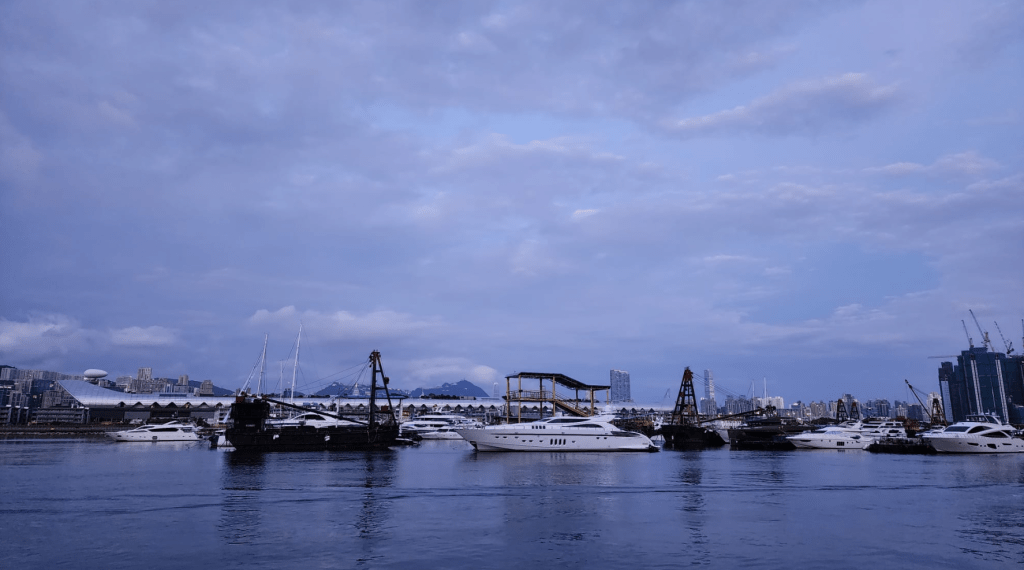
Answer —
(557, 434)
(170, 431)
(979, 433)
(253, 430)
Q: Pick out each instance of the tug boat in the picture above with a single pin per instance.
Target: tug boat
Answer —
(253, 429)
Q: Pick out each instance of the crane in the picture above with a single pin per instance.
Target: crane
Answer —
(970, 340)
(936, 415)
(984, 335)
(1008, 345)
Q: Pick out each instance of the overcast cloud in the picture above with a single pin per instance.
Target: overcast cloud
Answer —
(808, 193)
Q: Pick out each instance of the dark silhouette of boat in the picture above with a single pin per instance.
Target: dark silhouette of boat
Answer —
(253, 429)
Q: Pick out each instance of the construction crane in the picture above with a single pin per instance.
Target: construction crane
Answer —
(970, 340)
(984, 335)
(936, 415)
(1007, 344)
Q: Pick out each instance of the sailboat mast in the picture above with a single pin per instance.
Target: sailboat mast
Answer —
(295, 367)
(263, 367)
(375, 362)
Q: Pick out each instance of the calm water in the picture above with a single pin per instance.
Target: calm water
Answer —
(93, 504)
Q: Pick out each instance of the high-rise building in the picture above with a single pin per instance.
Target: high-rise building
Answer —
(984, 382)
(142, 382)
(183, 380)
(709, 406)
(620, 386)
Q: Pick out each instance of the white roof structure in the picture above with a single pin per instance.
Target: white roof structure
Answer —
(91, 395)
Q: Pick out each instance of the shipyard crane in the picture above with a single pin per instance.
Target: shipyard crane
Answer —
(970, 340)
(984, 335)
(1007, 344)
(937, 416)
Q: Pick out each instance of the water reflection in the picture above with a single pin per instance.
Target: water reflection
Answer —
(241, 506)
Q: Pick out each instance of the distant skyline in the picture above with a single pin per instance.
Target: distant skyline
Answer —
(808, 193)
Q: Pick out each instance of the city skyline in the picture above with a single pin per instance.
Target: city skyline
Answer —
(811, 194)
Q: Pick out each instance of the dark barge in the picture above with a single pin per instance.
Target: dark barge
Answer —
(253, 430)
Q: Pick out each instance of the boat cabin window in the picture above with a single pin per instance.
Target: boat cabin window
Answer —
(996, 435)
(956, 428)
(976, 429)
(164, 429)
(566, 420)
(589, 426)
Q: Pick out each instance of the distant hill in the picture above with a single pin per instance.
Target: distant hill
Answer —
(345, 390)
(462, 388)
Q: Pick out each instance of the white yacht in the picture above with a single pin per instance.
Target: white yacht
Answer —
(847, 435)
(312, 419)
(980, 433)
(879, 428)
(416, 427)
(446, 432)
(557, 434)
(171, 431)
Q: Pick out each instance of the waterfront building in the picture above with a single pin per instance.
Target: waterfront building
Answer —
(620, 386)
(983, 382)
(206, 388)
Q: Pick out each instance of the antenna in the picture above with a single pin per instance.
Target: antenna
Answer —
(1008, 345)
(984, 335)
(970, 340)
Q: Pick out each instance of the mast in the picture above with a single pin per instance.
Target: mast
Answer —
(295, 367)
(263, 366)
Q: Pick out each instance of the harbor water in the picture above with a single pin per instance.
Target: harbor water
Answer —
(97, 504)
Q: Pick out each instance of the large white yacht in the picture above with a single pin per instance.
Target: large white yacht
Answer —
(557, 434)
(846, 435)
(980, 433)
(312, 419)
(171, 431)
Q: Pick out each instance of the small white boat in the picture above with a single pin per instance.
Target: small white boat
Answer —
(446, 432)
(557, 434)
(311, 419)
(977, 434)
(171, 431)
(880, 428)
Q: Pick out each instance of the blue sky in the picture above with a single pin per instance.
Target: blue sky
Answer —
(808, 193)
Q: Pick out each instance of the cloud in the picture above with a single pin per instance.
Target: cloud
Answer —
(41, 337)
(343, 325)
(152, 336)
(808, 107)
(968, 163)
(426, 371)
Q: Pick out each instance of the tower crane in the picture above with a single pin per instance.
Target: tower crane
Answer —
(1007, 344)
(970, 340)
(984, 335)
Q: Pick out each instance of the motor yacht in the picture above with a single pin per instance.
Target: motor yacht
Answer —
(446, 432)
(557, 434)
(311, 419)
(880, 428)
(980, 433)
(832, 437)
(433, 422)
(171, 431)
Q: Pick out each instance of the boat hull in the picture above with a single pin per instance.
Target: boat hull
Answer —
(975, 445)
(690, 437)
(511, 440)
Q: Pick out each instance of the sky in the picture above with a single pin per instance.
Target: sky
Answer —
(803, 195)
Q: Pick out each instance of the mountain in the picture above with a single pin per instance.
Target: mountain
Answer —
(460, 389)
(339, 389)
